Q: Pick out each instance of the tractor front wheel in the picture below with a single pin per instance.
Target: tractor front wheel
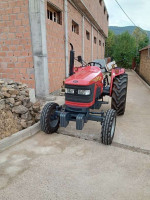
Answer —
(49, 121)
(108, 127)
(119, 93)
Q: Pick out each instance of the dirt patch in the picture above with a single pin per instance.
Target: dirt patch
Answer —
(8, 124)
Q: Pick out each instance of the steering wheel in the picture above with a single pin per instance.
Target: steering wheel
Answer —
(95, 63)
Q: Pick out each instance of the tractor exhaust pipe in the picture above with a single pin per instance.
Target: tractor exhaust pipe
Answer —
(72, 54)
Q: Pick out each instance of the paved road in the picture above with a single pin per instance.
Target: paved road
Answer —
(61, 167)
(133, 128)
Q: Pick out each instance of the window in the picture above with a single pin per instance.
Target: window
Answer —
(104, 9)
(103, 44)
(107, 17)
(100, 1)
(75, 27)
(54, 14)
(95, 40)
(87, 35)
(100, 42)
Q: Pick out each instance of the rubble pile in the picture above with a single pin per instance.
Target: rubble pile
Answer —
(17, 112)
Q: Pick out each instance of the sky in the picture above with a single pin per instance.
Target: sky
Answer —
(137, 10)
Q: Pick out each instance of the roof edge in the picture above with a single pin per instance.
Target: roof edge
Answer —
(145, 48)
(82, 7)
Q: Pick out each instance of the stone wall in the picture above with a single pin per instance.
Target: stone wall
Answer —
(17, 112)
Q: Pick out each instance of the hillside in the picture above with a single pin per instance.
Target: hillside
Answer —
(118, 30)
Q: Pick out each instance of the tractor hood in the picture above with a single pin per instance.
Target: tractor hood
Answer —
(87, 76)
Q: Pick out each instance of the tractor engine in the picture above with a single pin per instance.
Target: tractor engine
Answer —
(84, 87)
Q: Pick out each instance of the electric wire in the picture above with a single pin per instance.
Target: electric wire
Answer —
(126, 13)
(129, 17)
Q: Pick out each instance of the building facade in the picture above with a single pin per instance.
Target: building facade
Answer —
(35, 37)
(144, 70)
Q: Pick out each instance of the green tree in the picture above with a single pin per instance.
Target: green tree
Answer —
(124, 49)
(141, 38)
(110, 41)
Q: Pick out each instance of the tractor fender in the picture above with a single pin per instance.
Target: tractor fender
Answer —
(115, 72)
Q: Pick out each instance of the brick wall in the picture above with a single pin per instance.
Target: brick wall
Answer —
(95, 45)
(56, 42)
(87, 43)
(97, 12)
(16, 61)
(56, 50)
(74, 38)
(100, 48)
(145, 66)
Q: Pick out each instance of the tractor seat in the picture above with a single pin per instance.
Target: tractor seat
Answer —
(103, 64)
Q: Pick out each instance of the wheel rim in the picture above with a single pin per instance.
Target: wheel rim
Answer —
(113, 127)
(53, 120)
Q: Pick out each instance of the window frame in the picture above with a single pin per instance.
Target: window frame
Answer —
(95, 40)
(107, 17)
(87, 35)
(104, 10)
(75, 27)
(54, 14)
(100, 1)
(100, 43)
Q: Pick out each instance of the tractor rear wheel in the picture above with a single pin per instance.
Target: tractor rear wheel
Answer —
(49, 121)
(108, 127)
(119, 93)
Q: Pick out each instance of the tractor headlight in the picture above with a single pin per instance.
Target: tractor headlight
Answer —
(69, 91)
(84, 92)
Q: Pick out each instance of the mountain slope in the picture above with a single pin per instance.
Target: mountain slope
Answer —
(119, 30)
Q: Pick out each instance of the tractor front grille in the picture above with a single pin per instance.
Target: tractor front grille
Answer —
(80, 98)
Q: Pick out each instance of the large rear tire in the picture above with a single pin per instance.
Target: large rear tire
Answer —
(49, 121)
(108, 127)
(119, 93)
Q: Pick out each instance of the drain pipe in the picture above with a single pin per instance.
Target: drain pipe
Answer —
(83, 37)
(66, 36)
(92, 43)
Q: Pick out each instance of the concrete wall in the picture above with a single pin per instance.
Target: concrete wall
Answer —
(16, 62)
(145, 66)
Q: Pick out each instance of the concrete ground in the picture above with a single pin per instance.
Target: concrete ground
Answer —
(61, 167)
(133, 128)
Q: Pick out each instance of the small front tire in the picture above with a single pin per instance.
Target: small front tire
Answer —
(108, 127)
(49, 121)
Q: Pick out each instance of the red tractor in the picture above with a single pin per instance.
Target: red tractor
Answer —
(84, 91)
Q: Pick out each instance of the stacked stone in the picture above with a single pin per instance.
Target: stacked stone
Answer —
(14, 98)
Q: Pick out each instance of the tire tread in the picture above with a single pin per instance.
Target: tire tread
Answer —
(119, 93)
(107, 126)
(45, 116)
